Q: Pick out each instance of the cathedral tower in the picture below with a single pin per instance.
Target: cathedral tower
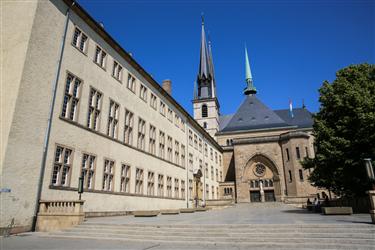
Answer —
(206, 105)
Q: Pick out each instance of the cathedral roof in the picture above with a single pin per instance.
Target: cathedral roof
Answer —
(253, 114)
(301, 117)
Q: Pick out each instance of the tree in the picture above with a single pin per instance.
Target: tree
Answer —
(344, 130)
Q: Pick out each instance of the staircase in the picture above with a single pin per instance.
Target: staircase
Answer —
(277, 236)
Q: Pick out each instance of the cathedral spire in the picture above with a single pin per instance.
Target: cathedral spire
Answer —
(203, 63)
(250, 89)
(205, 78)
(211, 66)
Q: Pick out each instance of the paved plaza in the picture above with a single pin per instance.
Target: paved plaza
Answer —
(244, 226)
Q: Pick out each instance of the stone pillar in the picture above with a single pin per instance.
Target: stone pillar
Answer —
(371, 194)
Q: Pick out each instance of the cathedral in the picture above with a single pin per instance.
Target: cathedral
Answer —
(84, 123)
(262, 148)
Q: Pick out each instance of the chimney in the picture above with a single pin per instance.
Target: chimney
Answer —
(167, 86)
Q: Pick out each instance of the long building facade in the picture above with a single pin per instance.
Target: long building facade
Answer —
(109, 122)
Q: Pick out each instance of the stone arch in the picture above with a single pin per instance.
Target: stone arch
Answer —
(272, 172)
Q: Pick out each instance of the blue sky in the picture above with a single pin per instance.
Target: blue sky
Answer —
(293, 45)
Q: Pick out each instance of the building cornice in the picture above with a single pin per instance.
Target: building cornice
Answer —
(267, 139)
(90, 21)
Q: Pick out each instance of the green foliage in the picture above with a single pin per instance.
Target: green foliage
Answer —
(344, 130)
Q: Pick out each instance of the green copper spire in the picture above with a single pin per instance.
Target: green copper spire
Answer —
(250, 89)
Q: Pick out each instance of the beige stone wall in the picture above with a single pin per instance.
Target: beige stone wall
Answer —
(15, 16)
(29, 111)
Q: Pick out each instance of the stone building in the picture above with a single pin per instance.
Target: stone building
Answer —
(78, 105)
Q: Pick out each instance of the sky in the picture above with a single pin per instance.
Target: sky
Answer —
(293, 45)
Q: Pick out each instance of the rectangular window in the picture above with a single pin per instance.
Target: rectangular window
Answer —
(221, 176)
(182, 125)
(177, 152)
(176, 188)
(117, 71)
(212, 173)
(195, 141)
(95, 103)
(300, 174)
(141, 134)
(287, 154)
(191, 189)
(80, 40)
(217, 175)
(152, 142)
(139, 181)
(71, 98)
(125, 178)
(169, 186)
(161, 185)
(162, 108)
(62, 166)
(215, 157)
(176, 120)
(128, 129)
(212, 192)
(206, 170)
(150, 184)
(191, 161)
(108, 175)
(131, 83)
(113, 115)
(211, 154)
(100, 57)
(161, 144)
(190, 138)
(169, 149)
(220, 160)
(201, 165)
(170, 115)
(153, 101)
(183, 158)
(143, 93)
(88, 170)
(182, 189)
(205, 149)
(298, 153)
(200, 144)
(290, 176)
(207, 191)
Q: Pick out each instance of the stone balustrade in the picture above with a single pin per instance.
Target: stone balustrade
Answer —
(59, 214)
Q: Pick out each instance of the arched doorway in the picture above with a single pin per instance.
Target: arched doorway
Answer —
(262, 179)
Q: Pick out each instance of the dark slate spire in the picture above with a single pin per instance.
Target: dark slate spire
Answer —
(211, 67)
(203, 64)
(204, 78)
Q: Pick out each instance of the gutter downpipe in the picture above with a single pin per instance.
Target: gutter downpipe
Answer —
(50, 116)
(187, 163)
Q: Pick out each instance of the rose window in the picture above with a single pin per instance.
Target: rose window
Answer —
(259, 169)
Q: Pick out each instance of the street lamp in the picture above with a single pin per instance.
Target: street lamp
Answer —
(80, 186)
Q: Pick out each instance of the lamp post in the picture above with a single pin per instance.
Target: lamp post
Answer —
(371, 193)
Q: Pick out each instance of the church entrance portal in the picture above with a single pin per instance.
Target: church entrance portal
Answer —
(262, 180)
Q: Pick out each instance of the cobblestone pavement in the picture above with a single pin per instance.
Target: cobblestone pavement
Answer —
(247, 214)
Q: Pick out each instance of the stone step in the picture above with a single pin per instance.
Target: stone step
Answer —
(230, 231)
(224, 233)
(221, 243)
(205, 238)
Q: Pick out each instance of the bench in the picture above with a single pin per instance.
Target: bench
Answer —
(169, 211)
(337, 210)
(187, 210)
(150, 213)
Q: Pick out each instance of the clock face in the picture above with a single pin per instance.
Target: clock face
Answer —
(259, 170)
